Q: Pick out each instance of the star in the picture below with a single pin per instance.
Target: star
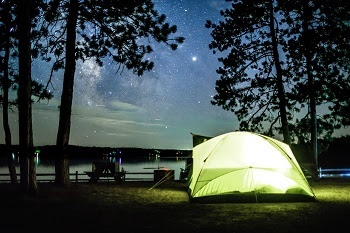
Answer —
(194, 58)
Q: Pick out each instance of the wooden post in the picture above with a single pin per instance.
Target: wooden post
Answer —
(76, 176)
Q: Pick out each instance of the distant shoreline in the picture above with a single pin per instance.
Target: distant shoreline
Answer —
(50, 151)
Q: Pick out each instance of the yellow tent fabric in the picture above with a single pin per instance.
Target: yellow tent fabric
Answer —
(244, 162)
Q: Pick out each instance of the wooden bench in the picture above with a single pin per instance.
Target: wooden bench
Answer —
(106, 169)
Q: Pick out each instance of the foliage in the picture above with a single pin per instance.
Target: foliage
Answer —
(109, 29)
(9, 28)
(248, 84)
(329, 59)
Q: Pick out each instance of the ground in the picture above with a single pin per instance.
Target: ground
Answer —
(144, 207)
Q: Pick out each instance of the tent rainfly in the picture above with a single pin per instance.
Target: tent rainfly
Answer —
(245, 166)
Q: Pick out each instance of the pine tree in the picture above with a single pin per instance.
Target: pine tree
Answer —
(117, 27)
(319, 64)
(9, 68)
(251, 79)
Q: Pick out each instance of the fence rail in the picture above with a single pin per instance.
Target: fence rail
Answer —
(81, 177)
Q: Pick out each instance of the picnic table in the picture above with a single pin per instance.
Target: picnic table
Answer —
(106, 169)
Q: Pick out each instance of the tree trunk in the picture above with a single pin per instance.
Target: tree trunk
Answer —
(6, 86)
(28, 174)
(306, 14)
(62, 162)
(280, 87)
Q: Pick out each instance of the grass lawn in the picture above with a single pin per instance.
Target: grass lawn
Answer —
(140, 207)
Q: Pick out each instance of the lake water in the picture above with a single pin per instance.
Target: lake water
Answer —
(80, 165)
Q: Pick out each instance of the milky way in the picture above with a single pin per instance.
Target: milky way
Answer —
(157, 110)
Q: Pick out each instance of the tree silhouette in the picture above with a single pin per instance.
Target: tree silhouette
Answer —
(104, 28)
(251, 79)
(9, 72)
(319, 63)
(7, 18)
(313, 62)
(28, 178)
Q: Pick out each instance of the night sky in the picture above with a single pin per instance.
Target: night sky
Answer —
(157, 110)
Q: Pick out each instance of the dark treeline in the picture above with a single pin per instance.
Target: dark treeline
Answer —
(50, 152)
(332, 152)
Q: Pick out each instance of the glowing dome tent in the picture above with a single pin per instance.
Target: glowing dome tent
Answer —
(245, 164)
